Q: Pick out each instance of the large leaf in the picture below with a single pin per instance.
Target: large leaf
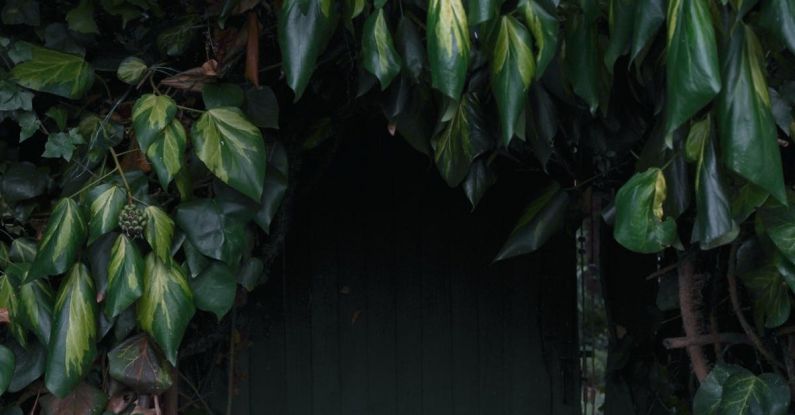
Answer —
(105, 203)
(54, 72)
(138, 364)
(448, 46)
(276, 180)
(262, 108)
(125, 276)
(150, 116)
(305, 27)
(463, 139)
(649, 16)
(167, 151)
(779, 224)
(7, 364)
(691, 66)
(72, 344)
(84, 400)
(214, 232)
(35, 308)
(622, 21)
(232, 148)
(541, 124)
(222, 95)
(745, 121)
(539, 222)
(770, 294)
(582, 62)
(512, 70)
(544, 28)
(214, 289)
(29, 365)
(778, 18)
(379, 56)
(409, 44)
(10, 301)
(480, 178)
(65, 234)
(708, 396)
(714, 225)
(640, 225)
(159, 232)
(746, 394)
(166, 306)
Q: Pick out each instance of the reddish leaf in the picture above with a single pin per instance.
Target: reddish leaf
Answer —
(84, 400)
(137, 364)
(252, 50)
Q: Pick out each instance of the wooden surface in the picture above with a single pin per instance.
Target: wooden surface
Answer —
(388, 303)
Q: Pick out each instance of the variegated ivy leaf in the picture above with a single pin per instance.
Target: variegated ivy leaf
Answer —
(544, 28)
(22, 250)
(464, 138)
(151, 114)
(131, 70)
(232, 148)
(125, 276)
(72, 345)
(54, 72)
(9, 301)
(105, 203)
(166, 306)
(35, 308)
(379, 56)
(65, 234)
(448, 46)
(512, 70)
(159, 232)
(167, 151)
(640, 224)
(7, 363)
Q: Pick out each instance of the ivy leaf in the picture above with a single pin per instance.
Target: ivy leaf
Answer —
(745, 120)
(480, 178)
(379, 56)
(72, 345)
(175, 40)
(166, 306)
(139, 365)
(9, 301)
(708, 396)
(58, 73)
(214, 289)
(770, 294)
(12, 97)
(512, 70)
(29, 365)
(275, 187)
(159, 232)
(649, 16)
(232, 148)
(35, 309)
(250, 274)
(714, 225)
(622, 21)
(409, 45)
(62, 144)
(81, 18)
(539, 222)
(222, 95)
(305, 27)
(21, 12)
(58, 114)
(212, 231)
(167, 151)
(66, 232)
(105, 203)
(744, 393)
(85, 399)
(23, 181)
(691, 66)
(541, 124)
(150, 116)
(639, 223)
(582, 63)
(131, 70)
(22, 250)
(125, 276)
(544, 28)
(262, 108)
(7, 364)
(462, 140)
(778, 18)
(448, 46)
(778, 222)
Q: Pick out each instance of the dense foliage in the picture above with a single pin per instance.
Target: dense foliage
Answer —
(147, 148)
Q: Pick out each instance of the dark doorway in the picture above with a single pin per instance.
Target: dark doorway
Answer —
(389, 304)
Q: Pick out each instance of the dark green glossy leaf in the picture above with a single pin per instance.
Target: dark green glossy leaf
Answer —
(125, 276)
(745, 121)
(276, 180)
(22, 250)
(7, 364)
(409, 45)
(54, 72)
(778, 18)
(81, 18)
(175, 40)
(211, 230)
(480, 11)
(98, 257)
(166, 306)
(770, 294)
(72, 345)
(84, 400)
(58, 114)
(417, 122)
(105, 203)
(708, 396)
(13, 97)
(222, 95)
(448, 46)
(463, 139)
(622, 21)
(167, 151)
(480, 178)
(35, 309)
(779, 224)
(138, 364)
(159, 232)
(304, 31)
(262, 108)
(21, 12)
(649, 16)
(541, 124)
(512, 70)
(29, 365)
(214, 289)
(746, 394)
(379, 56)
(251, 274)
(640, 225)
(10, 301)
(539, 222)
(232, 148)
(691, 61)
(131, 70)
(22, 181)
(582, 62)
(746, 200)
(63, 144)
(151, 114)
(544, 28)
(65, 234)
(714, 225)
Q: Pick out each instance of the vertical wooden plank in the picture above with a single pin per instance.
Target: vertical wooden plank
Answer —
(490, 344)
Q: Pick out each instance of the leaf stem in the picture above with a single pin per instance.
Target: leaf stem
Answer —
(121, 173)
(84, 188)
(190, 109)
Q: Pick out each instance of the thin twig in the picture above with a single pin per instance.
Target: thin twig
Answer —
(231, 370)
(121, 174)
(196, 391)
(705, 339)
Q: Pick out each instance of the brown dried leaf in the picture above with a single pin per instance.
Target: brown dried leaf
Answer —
(195, 78)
